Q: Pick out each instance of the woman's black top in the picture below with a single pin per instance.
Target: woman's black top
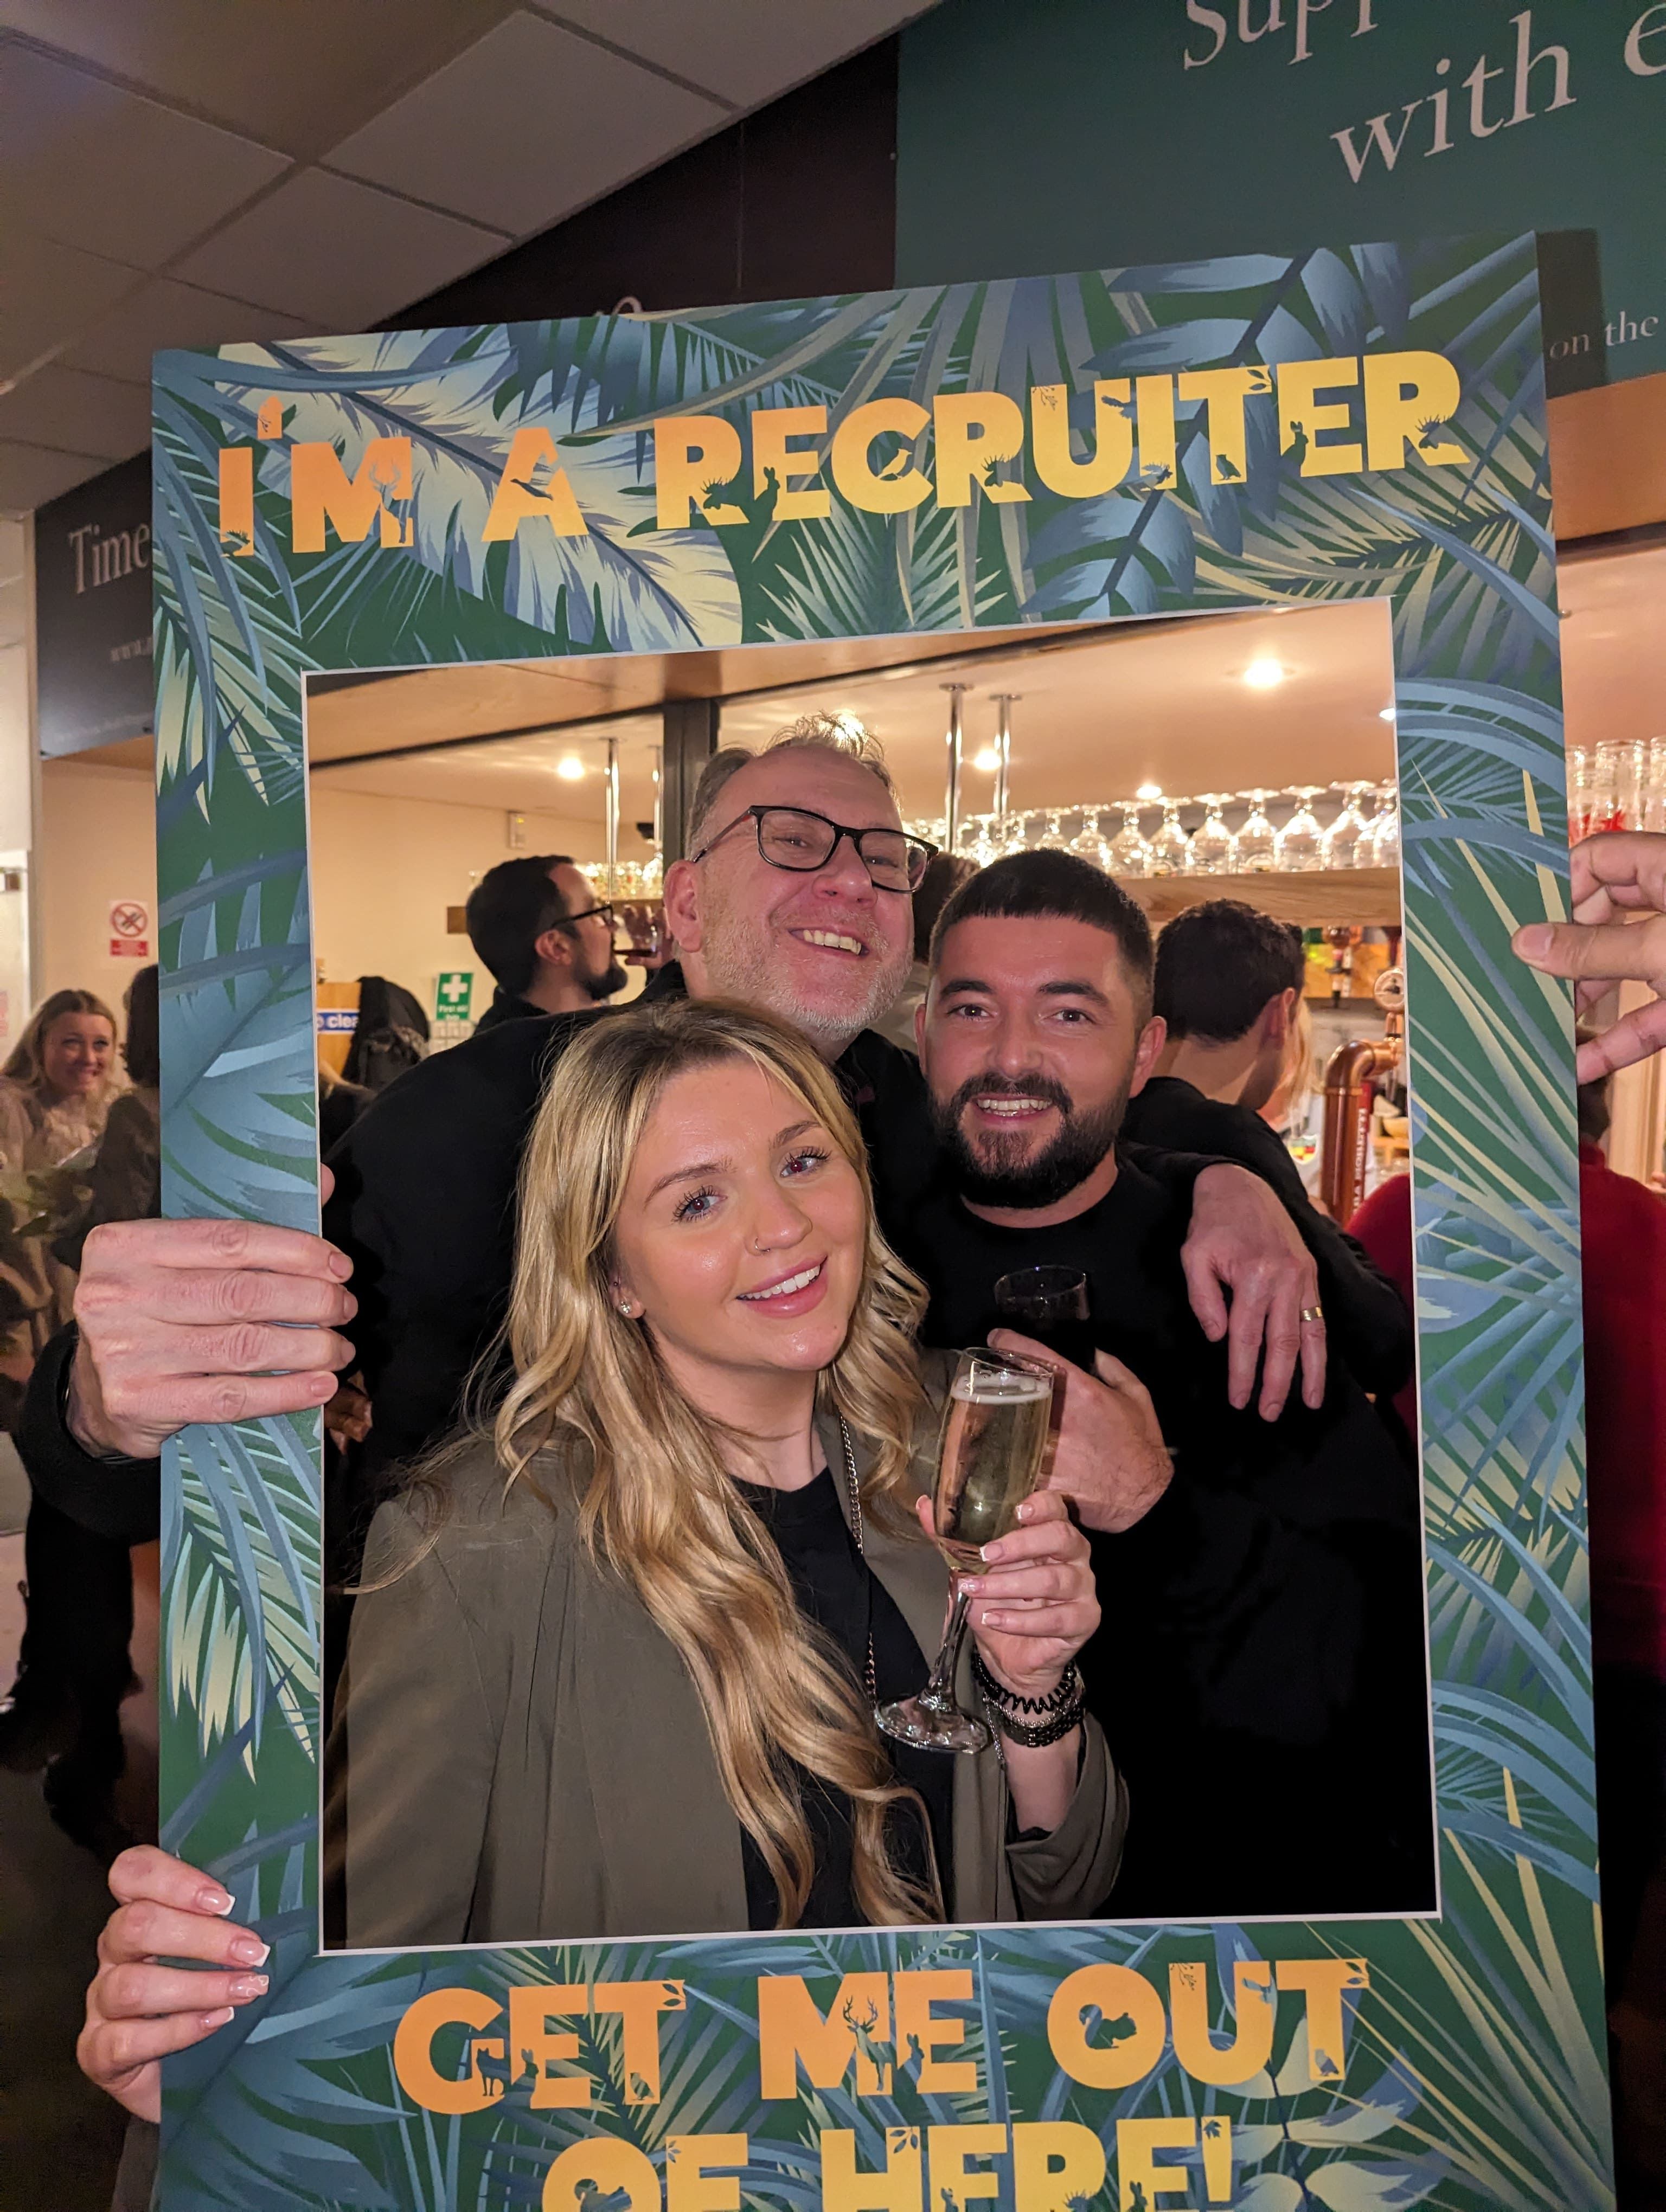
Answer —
(835, 1588)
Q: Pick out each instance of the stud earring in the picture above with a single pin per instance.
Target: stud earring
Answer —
(626, 1309)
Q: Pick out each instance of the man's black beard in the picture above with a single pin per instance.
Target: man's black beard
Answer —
(1002, 1174)
(607, 985)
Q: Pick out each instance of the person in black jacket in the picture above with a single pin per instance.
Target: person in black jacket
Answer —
(546, 938)
(1260, 1675)
(1227, 984)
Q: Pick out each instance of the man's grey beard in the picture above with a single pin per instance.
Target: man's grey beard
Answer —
(1002, 1174)
(738, 969)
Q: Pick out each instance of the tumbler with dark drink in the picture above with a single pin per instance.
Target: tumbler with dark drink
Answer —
(1051, 1305)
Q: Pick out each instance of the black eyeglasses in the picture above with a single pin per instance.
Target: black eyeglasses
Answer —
(791, 837)
(605, 909)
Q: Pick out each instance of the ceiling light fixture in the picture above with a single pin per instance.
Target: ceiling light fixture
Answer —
(569, 768)
(987, 762)
(1387, 715)
(1149, 791)
(1263, 673)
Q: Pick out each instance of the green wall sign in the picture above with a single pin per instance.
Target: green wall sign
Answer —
(1074, 133)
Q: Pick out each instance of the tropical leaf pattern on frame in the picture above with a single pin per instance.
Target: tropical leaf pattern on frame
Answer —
(1472, 2075)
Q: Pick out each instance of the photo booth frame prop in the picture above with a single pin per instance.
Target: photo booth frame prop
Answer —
(1212, 435)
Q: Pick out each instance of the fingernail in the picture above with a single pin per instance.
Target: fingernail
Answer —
(994, 1620)
(340, 1266)
(249, 1985)
(1026, 1511)
(219, 2019)
(1533, 942)
(212, 1899)
(971, 1584)
(992, 1553)
(250, 1951)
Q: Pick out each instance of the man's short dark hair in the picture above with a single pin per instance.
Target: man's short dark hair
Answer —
(1051, 886)
(508, 910)
(1218, 964)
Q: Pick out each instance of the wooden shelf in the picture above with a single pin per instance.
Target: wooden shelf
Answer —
(1323, 900)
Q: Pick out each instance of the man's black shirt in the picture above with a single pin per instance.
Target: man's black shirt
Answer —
(1369, 1324)
(1260, 1671)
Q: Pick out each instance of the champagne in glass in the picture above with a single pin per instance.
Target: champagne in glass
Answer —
(990, 1451)
(1051, 1305)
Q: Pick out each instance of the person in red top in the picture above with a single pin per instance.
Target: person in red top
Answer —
(1624, 1269)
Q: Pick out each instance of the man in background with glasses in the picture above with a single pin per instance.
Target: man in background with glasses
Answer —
(548, 941)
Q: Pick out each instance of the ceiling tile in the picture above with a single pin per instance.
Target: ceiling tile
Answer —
(105, 170)
(336, 253)
(298, 78)
(746, 50)
(83, 413)
(526, 125)
(46, 291)
(163, 313)
(29, 475)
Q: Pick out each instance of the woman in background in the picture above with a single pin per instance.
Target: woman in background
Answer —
(55, 1093)
(57, 1098)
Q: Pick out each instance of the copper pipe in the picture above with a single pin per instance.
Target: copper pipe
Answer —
(1350, 1082)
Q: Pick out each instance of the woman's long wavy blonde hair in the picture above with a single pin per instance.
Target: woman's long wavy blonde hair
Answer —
(659, 1505)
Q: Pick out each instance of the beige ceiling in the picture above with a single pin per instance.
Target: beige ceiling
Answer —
(1096, 716)
(1614, 643)
(189, 172)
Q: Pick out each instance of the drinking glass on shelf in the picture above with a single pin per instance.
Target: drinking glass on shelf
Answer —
(989, 1455)
(1385, 828)
(1051, 1305)
(1128, 853)
(983, 846)
(1214, 848)
(1581, 792)
(1053, 834)
(1257, 850)
(1339, 848)
(1622, 768)
(1297, 847)
(1015, 833)
(1089, 843)
(1654, 810)
(1170, 849)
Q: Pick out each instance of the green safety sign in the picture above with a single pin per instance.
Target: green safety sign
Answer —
(451, 995)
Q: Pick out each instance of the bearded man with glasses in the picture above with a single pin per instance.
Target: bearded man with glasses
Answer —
(796, 901)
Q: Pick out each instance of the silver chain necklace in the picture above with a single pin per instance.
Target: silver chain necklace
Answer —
(854, 1491)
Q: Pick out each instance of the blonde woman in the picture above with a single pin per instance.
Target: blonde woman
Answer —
(55, 1093)
(614, 1668)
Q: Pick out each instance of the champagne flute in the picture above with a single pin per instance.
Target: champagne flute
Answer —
(989, 1455)
(1051, 1305)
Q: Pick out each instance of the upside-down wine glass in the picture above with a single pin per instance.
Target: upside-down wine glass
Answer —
(1340, 845)
(1128, 853)
(1170, 848)
(1385, 828)
(1257, 853)
(1089, 843)
(1296, 849)
(1214, 848)
(989, 1455)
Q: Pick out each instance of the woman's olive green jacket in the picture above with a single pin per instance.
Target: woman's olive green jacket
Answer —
(520, 1755)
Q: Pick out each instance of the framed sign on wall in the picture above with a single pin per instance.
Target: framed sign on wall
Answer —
(1131, 444)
